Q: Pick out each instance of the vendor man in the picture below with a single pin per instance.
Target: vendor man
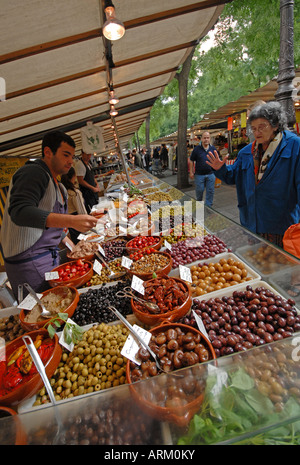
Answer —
(87, 182)
(35, 214)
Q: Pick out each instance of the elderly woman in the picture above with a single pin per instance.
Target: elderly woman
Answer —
(266, 174)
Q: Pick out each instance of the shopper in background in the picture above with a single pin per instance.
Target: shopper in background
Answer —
(199, 169)
(35, 215)
(137, 158)
(164, 156)
(267, 174)
(75, 200)
(87, 181)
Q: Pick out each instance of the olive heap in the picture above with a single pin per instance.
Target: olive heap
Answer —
(196, 248)
(175, 348)
(276, 372)
(93, 305)
(114, 248)
(246, 319)
(94, 364)
(118, 422)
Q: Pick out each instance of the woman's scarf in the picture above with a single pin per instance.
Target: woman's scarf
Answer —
(261, 158)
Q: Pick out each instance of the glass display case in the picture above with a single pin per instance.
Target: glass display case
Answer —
(250, 396)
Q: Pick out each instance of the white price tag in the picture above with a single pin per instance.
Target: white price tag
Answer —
(101, 250)
(51, 275)
(69, 246)
(126, 262)
(131, 346)
(97, 267)
(185, 273)
(200, 324)
(138, 284)
(167, 245)
(62, 341)
(29, 302)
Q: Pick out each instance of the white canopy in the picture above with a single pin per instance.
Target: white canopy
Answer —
(55, 71)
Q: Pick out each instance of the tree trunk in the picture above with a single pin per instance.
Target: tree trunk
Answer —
(147, 130)
(182, 167)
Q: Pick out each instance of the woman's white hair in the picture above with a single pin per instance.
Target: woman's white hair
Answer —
(272, 112)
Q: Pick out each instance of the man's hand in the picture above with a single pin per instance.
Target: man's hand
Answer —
(83, 223)
(214, 160)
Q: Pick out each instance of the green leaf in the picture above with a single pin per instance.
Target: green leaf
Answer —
(241, 380)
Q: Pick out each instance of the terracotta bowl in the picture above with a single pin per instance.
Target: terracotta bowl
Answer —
(156, 246)
(159, 272)
(74, 282)
(29, 388)
(12, 432)
(176, 314)
(87, 258)
(149, 393)
(40, 324)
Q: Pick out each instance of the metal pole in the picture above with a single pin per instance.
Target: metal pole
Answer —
(120, 151)
(286, 72)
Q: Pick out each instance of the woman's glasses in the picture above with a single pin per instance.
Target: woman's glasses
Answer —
(260, 128)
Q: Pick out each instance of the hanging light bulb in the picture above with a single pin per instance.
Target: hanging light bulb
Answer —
(113, 100)
(112, 29)
(113, 111)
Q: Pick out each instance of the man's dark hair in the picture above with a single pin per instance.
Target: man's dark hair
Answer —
(53, 140)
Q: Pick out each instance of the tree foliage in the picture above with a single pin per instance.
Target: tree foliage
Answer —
(245, 56)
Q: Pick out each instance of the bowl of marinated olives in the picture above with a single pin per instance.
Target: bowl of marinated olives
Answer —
(172, 296)
(149, 262)
(176, 394)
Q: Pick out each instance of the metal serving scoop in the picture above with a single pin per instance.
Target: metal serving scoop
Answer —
(45, 313)
(137, 336)
(42, 372)
(127, 292)
(112, 275)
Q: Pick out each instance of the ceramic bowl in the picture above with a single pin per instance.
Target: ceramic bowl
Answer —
(12, 432)
(160, 396)
(87, 258)
(178, 312)
(157, 246)
(31, 386)
(159, 272)
(73, 282)
(40, 324)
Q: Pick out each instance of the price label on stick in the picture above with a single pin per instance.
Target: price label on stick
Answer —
(29, 302)
(97, 267)
(167, 245)
(131, 346)
(185, 273)
(126, 262)
(200, 324)
(51, 275)
(138, 284)
(101, 250)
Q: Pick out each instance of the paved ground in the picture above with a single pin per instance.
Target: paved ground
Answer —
(225, 199)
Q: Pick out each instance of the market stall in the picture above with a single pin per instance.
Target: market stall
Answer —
(223, 328)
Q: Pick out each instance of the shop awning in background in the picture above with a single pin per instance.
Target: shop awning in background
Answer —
(218, 118)
(52, 61)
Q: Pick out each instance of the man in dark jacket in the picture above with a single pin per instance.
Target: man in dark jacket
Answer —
(204, 175)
